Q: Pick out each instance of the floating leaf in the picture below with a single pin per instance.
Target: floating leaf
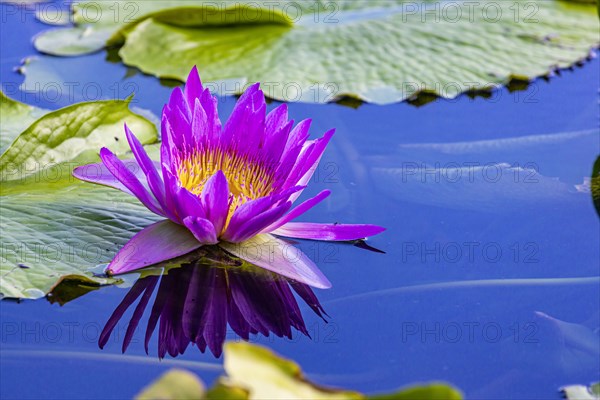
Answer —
(54, 226)
(16, 117)
(59, 229)
(176, 384)
(72, 134)
(377, 51)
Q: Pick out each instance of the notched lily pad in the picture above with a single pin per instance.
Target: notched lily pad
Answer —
(70, 134)
(53, 225)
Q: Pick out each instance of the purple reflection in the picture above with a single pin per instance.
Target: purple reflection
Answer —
(195, 302)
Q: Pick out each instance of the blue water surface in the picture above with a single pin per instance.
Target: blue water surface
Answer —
(490, 280)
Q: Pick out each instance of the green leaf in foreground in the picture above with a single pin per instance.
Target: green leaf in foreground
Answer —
(53, 226)
(377, 51)
(71, 135)
(255, 372)
(175, 384)
(16, 117)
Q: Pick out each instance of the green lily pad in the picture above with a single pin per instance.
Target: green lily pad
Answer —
(62, 230)
(53, 226)
(71, 135)
(16, 117)
(378, 51)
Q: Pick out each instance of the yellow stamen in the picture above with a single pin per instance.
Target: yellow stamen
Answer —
(248, 179)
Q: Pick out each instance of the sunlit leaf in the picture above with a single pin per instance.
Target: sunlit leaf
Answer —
(71, 134)
(54, 226)
(16, 117)
(377, 51)
(59, 229)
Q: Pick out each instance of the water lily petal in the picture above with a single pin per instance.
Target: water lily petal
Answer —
(246, 124)
(193, 88)
(129, 180)
(293, 147)
(158, 242)
(275, 255)
(215, 200)
(257, 223)
(202, 229)
(188, 204)
(154, 179)
(253, 208)
(308, 162)
(276, 119)
(339, 232)
(99, 173)
(299, 210)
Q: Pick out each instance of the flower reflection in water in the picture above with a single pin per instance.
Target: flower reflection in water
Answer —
(195, 302)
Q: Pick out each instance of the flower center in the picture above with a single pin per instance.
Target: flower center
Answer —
(248, 178)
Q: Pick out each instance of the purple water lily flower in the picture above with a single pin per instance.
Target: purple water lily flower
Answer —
(194, 304)
(231, 184)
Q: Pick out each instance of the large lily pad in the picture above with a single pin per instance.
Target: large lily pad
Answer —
(71, 134)
(54, 226)
(16, 117)
(381, 52)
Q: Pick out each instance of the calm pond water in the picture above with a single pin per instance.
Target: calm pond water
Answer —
(490, 280)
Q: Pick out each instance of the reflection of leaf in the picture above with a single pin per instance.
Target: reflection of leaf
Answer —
(378, 51)
(15, 118)
(254, 372)
(580, 392)
(52, 224)
(71, 287)
(69, 133)
(176, 384)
